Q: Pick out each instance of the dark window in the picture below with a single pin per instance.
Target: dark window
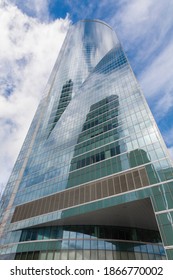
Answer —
(97, 157)
(93, 159)
(79, 164)
(102, 155)
(113, 152)
(87, 160)
(118, 149)
(83, 163)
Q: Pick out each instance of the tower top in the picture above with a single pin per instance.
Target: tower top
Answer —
(96, 20)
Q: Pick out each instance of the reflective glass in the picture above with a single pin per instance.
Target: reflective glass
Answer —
(92, 145)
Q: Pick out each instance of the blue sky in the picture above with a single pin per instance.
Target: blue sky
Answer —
(32, 32)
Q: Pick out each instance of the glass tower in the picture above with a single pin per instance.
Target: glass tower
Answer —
(93, 179)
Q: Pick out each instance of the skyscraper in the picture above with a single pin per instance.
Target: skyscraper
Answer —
(93, 179)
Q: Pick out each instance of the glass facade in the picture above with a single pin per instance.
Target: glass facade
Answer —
(93, 179)
(90, 242)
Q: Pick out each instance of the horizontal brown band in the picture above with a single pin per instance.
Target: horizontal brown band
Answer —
(106, 187)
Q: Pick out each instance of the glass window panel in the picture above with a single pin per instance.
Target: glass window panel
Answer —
(109, 255)
(57, 256)
(50, 255)
(124, 256)
(72, 234)
(23, 236)
(94, 255)
(86, 255)
(23, 256)
(71, 255)
(143, 248)
(42, 256)
(65, 244)
(162, 251)
(93, 244)
(137, 248)
(36, 256)
(54, 233)
(28, 235)
(72, 243)
(144, 256)
(108, 245)
(30, 256)
(101, 244)
(158, 257)
(150, 248)
(17, 257)
(34, 235)
(47, 233)
(40, 234)
(101, 254)
(151, 257)
(138, 256)
(131, 256)
(79, 255)
(64, 255)
(156, 249)
(86, 244)
(79, 244)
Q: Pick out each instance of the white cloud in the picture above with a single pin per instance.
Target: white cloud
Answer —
(168, 135)
(35, 8)
(28, 51)
(158, 75)
(143, 24)
(164, 105)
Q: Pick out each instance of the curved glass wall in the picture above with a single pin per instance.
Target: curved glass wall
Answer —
(90, 242)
